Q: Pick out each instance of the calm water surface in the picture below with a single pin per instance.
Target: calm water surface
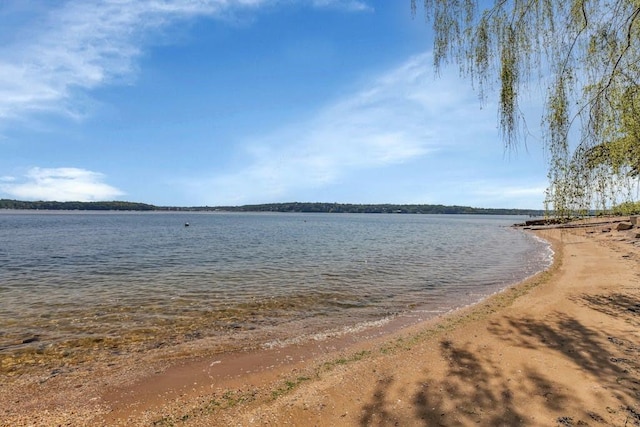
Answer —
(80, 283)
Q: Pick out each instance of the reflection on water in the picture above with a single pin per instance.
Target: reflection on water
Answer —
(91, 285)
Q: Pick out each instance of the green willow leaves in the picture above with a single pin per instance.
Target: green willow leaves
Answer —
(586, 54)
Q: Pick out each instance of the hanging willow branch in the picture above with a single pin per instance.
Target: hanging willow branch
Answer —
(587, 55)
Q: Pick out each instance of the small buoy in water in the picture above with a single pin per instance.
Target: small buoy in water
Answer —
(186, 224)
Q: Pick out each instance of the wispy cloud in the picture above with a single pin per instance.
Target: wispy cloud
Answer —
(502, 194)
(399, 117)
(81, 45)
(350, 5)
(60, 184)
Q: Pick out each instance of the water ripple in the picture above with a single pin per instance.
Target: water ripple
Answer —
(104, 283)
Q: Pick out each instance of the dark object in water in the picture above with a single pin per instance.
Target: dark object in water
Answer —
(186, 224)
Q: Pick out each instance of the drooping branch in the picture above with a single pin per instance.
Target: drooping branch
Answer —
(586, 53)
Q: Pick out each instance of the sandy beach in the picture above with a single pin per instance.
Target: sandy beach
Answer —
(562, 348)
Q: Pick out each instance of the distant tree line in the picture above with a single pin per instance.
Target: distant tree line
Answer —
(269, 207)
(76, 206)
(370, 208)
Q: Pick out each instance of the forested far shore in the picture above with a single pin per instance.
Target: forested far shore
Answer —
(374, 208)
(76, 206)
(316, 207)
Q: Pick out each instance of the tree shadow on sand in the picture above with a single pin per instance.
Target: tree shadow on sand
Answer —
(615, 367)
(475, 386)
(583, 346)
(621, 306)
(478, 390)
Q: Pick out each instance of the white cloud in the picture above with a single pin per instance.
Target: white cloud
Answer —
(60, 184)
(82, 45)
(350, 5)
(396, 118)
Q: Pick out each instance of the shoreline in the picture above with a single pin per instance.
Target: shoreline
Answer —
(507, 359)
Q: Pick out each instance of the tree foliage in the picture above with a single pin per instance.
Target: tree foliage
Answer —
(372, 208)
(75, 206)
(586, 54)
(309, 207)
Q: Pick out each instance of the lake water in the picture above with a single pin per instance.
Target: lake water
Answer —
(97, 284)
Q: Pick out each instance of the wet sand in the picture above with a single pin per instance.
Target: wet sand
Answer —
(562, 348)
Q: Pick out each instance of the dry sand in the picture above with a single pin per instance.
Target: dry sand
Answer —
(563, 349)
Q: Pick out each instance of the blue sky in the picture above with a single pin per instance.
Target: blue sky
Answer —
(230, 102)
